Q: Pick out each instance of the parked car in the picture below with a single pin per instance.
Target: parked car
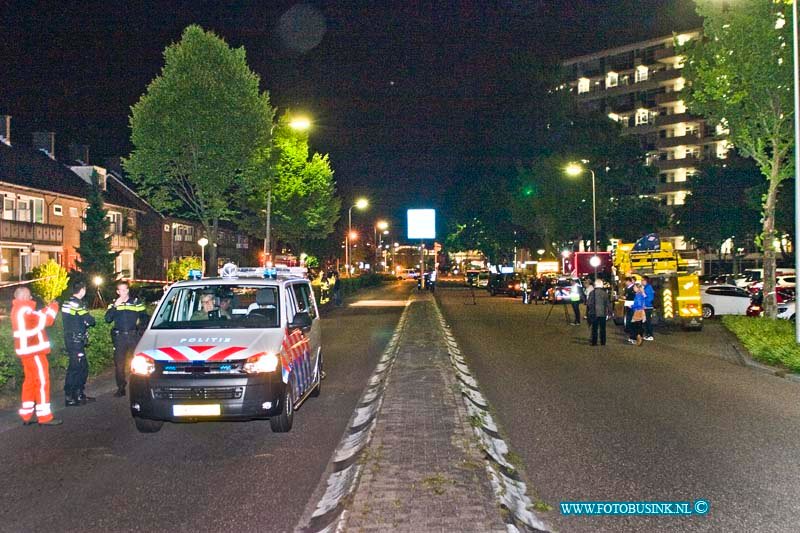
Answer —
(509, 284)
(786, 311)
(782, 295)
(407, 273)
(724, 300)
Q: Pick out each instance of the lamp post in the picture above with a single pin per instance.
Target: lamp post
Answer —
(361, 203)
(379, 225)
(203, 242)
(576, 169)
(796, 152)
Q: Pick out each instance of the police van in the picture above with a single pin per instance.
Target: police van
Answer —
(242, 346)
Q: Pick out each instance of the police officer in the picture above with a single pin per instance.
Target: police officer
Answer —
(77, 320)
(127, 313)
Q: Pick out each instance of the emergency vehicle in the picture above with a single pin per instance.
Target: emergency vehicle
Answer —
(675, 280)
(242, 346)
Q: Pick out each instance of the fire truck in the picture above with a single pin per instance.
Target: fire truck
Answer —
(675, 280)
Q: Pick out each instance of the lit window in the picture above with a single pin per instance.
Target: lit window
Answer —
(583, 85)
(641, 73)
(642, 116)
(58, 210)
(612, 79)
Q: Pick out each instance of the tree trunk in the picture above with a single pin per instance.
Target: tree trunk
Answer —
(770, 302)
(212, 265)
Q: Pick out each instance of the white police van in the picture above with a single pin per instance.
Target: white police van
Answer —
(243, 346)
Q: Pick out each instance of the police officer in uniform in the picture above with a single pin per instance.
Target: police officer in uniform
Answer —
(127, 313)
(77, 321)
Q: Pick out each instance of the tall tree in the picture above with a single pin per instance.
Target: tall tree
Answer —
(740, 75)
(96, 257)
(197, 128)
(303, 202)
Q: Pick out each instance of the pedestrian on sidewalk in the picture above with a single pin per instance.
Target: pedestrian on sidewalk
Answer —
(128, 315)
(630, 293)
(649, 298)
(576, 296)
(32, 346)
(638, 316)
(337, 290)
(598, 309)
(77, 321)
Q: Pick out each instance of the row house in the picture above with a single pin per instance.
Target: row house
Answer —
(43, 203)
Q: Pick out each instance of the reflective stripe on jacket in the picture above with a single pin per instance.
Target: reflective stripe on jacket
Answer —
(28, 325)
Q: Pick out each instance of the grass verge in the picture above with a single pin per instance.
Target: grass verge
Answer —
(769, 341)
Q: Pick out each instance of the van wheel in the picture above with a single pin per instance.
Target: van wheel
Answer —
(708, 311)
(148, 426)
(318, 389)
(283, 422)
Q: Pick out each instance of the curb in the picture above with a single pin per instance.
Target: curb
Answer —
(509, 488)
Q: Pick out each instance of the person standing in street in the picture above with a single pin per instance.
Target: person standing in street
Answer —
(638, 316)
(649, 298)
(76, 320)
(575, 297)
(630, 293)
(337, 290)
(128, 314)
(598, 309)
(32, 346)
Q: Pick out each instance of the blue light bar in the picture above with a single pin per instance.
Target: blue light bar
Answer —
(195, 274)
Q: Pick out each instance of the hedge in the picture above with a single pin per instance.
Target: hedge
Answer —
(100, 351)
(770, 341)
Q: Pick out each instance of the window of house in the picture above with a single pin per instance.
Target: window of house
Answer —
(641, 73)
(583, 85)
(612, 79)
(58, 210)
(116, 222)
(24, 211)
(642, 116)
(73, 212)
(38, 210)
(8, 208)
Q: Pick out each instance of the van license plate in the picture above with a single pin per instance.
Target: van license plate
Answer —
(196, 410)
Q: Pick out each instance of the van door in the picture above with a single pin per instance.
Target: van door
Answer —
(302, 300)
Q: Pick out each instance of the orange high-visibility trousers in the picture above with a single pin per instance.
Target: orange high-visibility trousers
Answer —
(36, 388)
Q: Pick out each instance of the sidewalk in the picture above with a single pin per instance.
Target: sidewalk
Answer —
(412, 459)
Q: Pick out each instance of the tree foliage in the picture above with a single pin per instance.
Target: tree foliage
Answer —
(740, 75)
(52, 281)
(178, 269)
(198, 126)
(96, 256)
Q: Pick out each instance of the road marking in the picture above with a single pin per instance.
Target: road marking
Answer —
(380, 303)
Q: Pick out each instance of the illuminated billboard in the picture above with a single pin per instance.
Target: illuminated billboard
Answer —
(421, 224)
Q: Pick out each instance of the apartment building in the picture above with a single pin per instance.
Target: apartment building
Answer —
(639, 86)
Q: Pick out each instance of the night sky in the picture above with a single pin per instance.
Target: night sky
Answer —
(404, 94)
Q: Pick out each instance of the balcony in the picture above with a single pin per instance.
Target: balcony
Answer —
(32, 232)
(675, 186)
(123, 241)
(672, 164)
(668, 98)
(683, 140)
(666, 55)
(669, 74)
(666, 120)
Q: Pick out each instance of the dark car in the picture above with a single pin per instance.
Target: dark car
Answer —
(510, 284)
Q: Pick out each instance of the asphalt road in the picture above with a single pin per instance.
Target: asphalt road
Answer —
(672, 420)
(97, 473)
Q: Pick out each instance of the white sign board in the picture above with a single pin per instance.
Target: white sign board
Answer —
(421, 224)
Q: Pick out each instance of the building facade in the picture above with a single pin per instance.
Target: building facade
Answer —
(640, 87)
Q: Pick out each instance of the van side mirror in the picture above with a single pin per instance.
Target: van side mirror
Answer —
(301, 320)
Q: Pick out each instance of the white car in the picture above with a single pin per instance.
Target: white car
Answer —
(724, 300)
(786, 310)
(243, 346)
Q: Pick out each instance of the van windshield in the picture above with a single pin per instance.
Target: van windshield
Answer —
(218, 306)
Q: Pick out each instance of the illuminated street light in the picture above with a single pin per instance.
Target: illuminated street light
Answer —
(576, 169)
(203, 242)
(361, 203)
(300, 123)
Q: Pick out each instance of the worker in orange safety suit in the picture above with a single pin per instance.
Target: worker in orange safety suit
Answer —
(32, 347)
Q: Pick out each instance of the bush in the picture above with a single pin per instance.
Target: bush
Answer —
(178, 269)
(770, 341)
(54, 281)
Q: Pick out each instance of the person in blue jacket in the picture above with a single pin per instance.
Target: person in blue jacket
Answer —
(649, 297)
(638, 317)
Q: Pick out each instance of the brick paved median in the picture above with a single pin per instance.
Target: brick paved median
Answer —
(422, 470)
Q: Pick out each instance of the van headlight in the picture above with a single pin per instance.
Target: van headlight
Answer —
(260, 363)
(141, 365)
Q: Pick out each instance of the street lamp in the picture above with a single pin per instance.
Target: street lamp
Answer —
(379, 225)
(361, 203)
(300, 123)
(203, 242)
(576, 169)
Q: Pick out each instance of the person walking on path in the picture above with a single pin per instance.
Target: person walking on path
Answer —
(649, 298)
(629, 296)
(576, 295)
(638, 316)
(77, 321)
(127, 313)
(598, 309)
(337, 290)
(32, 346)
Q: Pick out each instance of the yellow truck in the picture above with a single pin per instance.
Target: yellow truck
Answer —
(675, 280)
